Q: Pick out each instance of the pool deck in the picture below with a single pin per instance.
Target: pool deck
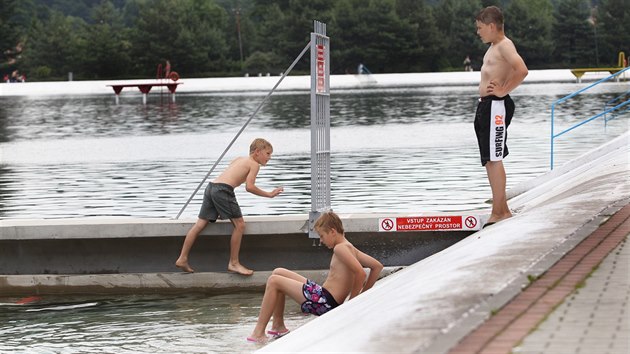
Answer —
(488, 291)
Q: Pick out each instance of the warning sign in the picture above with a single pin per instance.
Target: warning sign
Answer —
(321, 69)
(429, 223)
(387, 224)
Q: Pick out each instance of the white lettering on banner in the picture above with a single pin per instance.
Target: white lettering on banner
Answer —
(411, 227)
(428, 220)
(429, 223)
(321, 69)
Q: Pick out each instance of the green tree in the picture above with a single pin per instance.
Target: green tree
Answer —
(108, 46)
(129, 38)
(574, 45)
(131, 10)
(497, 3)
(613, 28)
(528, 24)
(10, 45)
(456, 22)
(7, 25)
(188, 33)
(372, 33)
(426, 43)
(54, 46)
(240, 31)
(269, 21)
(284, 28)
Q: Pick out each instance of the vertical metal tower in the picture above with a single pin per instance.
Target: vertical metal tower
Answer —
(320, 124)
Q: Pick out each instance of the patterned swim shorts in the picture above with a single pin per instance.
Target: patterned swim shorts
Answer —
(318, 300)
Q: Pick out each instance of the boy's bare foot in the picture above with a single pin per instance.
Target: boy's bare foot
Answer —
(278, 332)
(493, 220)
(239, 269)
(183, 265)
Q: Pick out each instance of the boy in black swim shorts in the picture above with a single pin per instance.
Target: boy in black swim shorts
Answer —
(346, 277)
(492, 119)
(502, 71)
(219, 201)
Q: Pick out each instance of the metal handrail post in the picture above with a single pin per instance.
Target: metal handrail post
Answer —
(625, 94)
(592, 118)
(565, 98)
(553, 107)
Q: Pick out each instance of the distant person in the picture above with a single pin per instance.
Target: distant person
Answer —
(467, 64)
(167, 70)
(502, 71)
(219, 201)
(346, 277)
(360, 69)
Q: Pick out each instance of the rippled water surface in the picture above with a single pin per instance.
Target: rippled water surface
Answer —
(403, 150)
(192, 323)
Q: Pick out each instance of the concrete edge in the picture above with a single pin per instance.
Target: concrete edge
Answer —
(484, 310)
(146, 283)
(94, 228)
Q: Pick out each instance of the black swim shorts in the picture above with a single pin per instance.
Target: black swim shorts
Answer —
(492, 119)
(219, 201)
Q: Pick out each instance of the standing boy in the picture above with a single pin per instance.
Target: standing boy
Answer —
(502, 71)
(346, 277)
(219, 200)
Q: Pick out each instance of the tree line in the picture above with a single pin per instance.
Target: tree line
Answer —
(112, 39)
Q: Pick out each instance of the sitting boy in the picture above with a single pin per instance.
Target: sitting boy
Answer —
(346, 277)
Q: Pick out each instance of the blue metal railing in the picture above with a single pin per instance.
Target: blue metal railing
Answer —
(565, 98)
(613, 115)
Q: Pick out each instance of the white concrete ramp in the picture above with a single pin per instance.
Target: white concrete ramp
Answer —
(429, 306)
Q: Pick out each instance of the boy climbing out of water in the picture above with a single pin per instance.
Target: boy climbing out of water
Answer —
(346, 277)
(219, 201)
(502, 71)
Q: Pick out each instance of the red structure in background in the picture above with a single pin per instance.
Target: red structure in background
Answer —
(168, 74)
(167, 80)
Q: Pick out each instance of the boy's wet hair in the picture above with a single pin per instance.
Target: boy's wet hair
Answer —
(491, 14)
(329, 221)
(259, 144)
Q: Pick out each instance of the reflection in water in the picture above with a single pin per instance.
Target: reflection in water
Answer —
(399, 150)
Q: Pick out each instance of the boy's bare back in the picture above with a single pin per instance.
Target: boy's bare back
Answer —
(245, 169)
(238, 170)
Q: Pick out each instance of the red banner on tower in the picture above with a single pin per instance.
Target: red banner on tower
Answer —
(321, 69)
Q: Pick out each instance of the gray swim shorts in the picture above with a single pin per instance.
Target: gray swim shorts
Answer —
(219, 201)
